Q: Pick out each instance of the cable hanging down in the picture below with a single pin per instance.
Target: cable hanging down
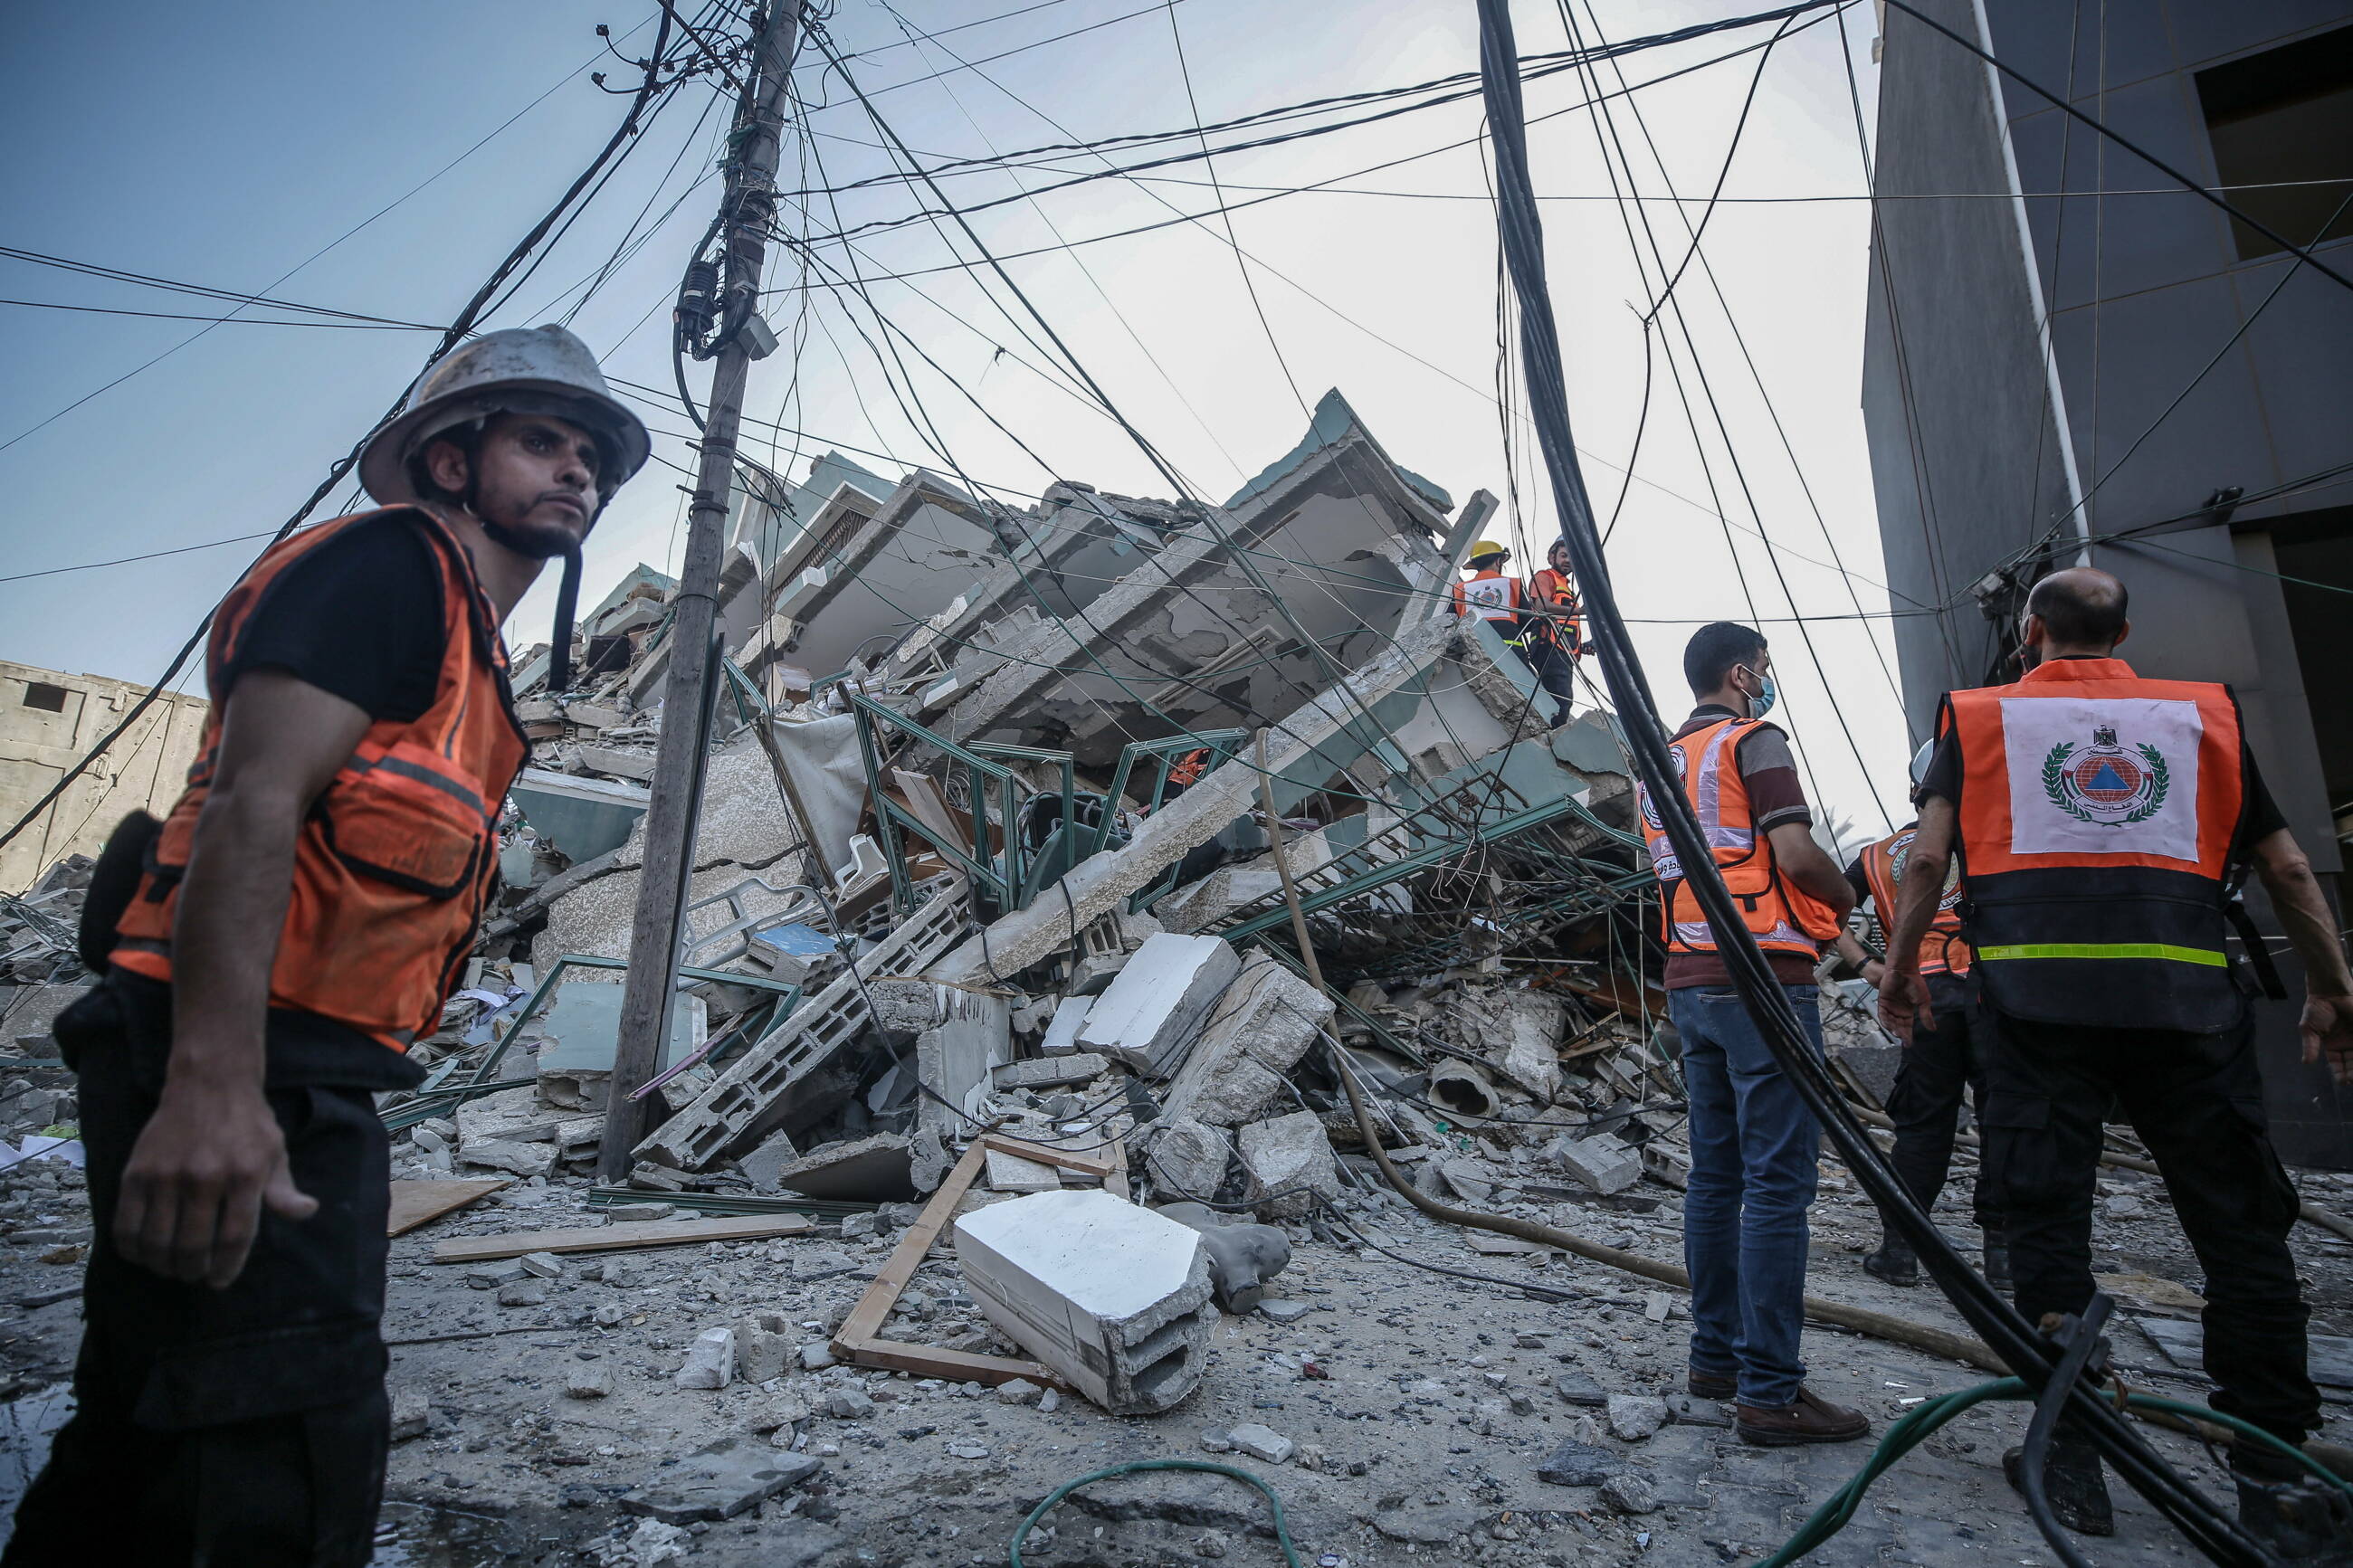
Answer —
(2034, 1359)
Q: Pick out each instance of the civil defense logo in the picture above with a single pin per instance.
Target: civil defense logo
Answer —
(2103, 784)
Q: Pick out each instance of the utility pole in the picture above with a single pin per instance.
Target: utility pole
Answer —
(748, 209)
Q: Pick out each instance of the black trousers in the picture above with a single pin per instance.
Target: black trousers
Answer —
(2197, 1101)
(1940, 1065)
(243, 1426)
(1556, 669)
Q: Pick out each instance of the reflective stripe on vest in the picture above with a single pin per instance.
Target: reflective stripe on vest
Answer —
(1782, 917)
(1943, 949)
(1490, 596)
(396, 858)
(2098, 816)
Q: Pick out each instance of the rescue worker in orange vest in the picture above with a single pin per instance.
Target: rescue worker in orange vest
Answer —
(277, 942)
(1551, 627)
(2103, 822)
(1753, 1142)
(1500, 600)
(1941, 1060)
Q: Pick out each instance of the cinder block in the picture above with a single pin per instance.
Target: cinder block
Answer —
(1602, 1163)
(1148, 1017)
(1255, 1036)
(1113, 1296)
(748, 1100)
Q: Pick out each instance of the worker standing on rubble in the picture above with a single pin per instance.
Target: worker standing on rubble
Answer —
(1503, 601)
(299, 920)
(1753, 1142)
(1552, 629)
(2104, 822)
(1941, 1060)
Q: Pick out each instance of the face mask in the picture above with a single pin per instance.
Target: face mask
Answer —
(1762, 704)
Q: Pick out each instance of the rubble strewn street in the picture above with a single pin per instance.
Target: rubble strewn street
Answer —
(966, 888)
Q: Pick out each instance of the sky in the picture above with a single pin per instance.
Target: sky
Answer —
(380, 160)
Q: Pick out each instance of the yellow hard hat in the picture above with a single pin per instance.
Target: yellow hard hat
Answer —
(1487, 547)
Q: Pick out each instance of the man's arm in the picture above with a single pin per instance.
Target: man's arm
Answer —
(1804, 863)
(1903, 995)
(212, 1154)
(1854, 952)
(2303, 915)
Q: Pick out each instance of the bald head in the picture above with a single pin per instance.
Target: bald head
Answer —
(2078, 611)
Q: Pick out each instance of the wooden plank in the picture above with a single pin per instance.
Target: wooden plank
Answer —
(622, 1237)
(858, 1341)
(421, 1203)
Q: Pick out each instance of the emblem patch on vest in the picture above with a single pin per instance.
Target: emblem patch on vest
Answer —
(2105, 783)
(2103, 775)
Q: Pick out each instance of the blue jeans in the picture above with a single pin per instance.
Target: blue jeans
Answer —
(1753, 1147)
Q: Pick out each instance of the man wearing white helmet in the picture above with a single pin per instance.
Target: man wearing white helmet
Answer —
(271, 949)
(1941, 1061)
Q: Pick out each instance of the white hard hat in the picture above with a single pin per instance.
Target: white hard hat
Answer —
(1920, 760)
(518, 370)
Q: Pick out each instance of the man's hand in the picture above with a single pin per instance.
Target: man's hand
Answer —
(1874, 974)
(2327, 1029)
(206, 1162)
(1902, 1001)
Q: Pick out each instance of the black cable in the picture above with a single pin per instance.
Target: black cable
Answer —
(1542, 1292)
(1767, 1001)
(2033, 1481)
(455, 331)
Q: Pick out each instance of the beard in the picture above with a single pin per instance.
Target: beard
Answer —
(540, 539)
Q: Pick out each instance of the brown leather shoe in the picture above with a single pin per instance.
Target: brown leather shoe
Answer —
(1711, 1385)
(1812, 1419)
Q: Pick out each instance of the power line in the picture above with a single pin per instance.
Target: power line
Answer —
(455, 332)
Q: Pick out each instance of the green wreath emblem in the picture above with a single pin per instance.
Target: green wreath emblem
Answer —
(2054, 772)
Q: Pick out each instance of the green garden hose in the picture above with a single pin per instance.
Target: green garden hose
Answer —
(1916, 1427)
(1281, 1531)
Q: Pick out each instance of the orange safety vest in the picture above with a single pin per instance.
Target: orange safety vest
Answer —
(1783, 919)
(1490, 596)
(1555, 591)
(2099, 814)
(398, 853)
(1188, 768)
(1943, 949)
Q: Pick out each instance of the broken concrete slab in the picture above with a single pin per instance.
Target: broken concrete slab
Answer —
(1250, 1041)
(1062, 1030)
(521, 1159)
(1011, 1173)
(762, 1164)
(1148, 1018)
(1114, 1298)
(879, 1169)
(720, 1481)
(1527, 1048)
(1201, 904)
(1291, 1156)
(1261, 1442)
(955, 1057)
(1049, 1072)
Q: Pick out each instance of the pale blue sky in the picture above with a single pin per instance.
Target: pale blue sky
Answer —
(225, 144)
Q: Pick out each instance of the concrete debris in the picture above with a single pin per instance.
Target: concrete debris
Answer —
(1634, 1418)
(1050, 1072)
(1186, 1159)
(1148, 1017)
(874, 1169)
(1602, 1163)
(1113, 1296)
(1290, 1157)
(1252, 1038)
(1261, 1442)
(710, 1359)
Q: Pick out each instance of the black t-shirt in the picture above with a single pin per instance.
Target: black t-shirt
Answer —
(360, 616)
(1860, 880)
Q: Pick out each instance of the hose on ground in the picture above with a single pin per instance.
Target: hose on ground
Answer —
(2034, 1460)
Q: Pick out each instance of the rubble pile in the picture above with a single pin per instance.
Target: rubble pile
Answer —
(997, 1101)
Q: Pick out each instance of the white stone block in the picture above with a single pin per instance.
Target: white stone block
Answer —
(1149, 1016)
(1602, 1163)
(1062, 1031)
(1114, 1298)
(710, 1359)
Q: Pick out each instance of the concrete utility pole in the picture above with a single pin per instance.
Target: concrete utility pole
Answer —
(749, 206)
